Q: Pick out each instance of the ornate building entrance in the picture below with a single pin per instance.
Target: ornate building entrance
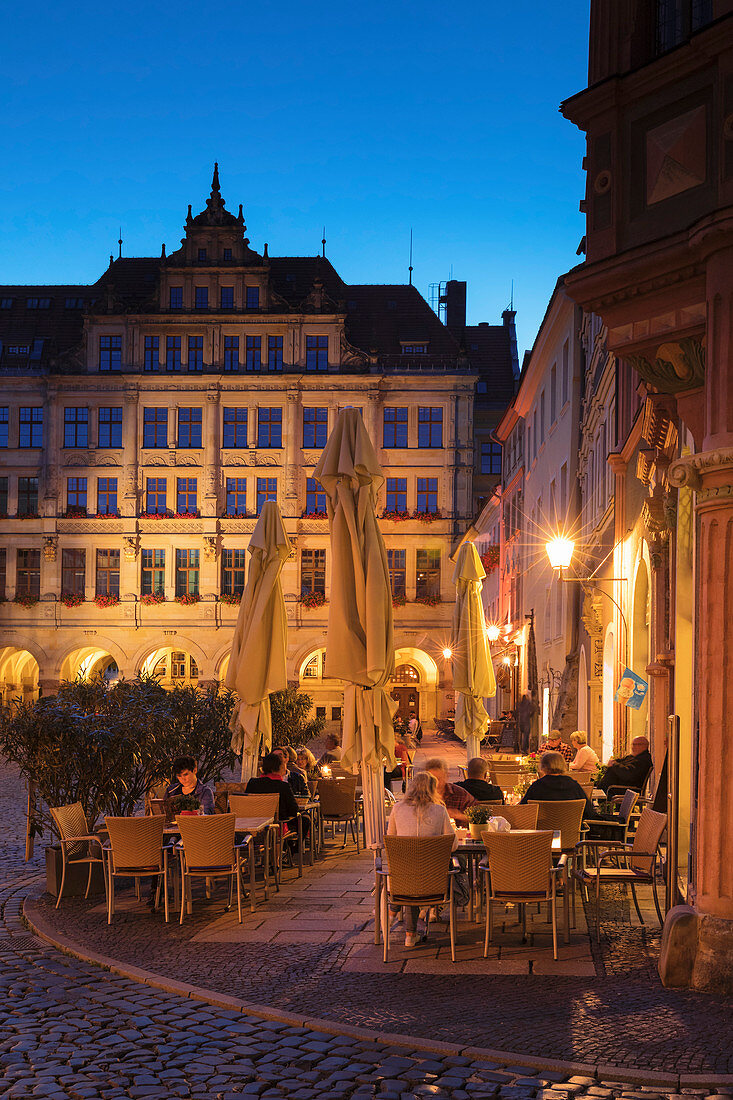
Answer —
(405, 691)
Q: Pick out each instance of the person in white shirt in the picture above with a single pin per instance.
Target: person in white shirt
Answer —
(585, 759)
(419, 813)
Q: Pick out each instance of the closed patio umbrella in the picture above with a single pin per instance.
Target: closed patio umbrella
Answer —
(257, 661)
(360, 642)
(473, 672)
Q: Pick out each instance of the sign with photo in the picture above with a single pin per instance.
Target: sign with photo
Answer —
(632, 690)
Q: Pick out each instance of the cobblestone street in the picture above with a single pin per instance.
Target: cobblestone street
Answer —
(69, 1028)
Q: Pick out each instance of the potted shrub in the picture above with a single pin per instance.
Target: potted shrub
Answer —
(478, 818)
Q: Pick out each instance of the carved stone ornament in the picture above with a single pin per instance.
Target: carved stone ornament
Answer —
(261, 458)
(689, 470)
(210, 548)
(677, 366)
(654, 519)
(350, 355)
(50, 547)
(129, 545)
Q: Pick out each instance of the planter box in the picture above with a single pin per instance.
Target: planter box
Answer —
(76, 876)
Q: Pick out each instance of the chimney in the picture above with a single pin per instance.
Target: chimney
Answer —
(508, 318)
(455, 307)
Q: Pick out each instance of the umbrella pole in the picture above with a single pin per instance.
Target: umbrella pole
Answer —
(473, 746)
(372, 784)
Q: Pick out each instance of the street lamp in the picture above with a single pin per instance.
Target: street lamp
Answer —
(447, 653)
(560, 552)
(493, 632)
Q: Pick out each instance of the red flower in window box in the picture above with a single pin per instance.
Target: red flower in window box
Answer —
(399, 601)
(428, 601)
(106, 599)
(312, 600)
(156, 515)
(319, 514)
(427, 517)
(396, 517)
(27, 515)
(490, 558)
(188, 598)
(229, 597)
(107, 515)
(75, 513)
(26, 601)
(186, 515)
(72, 599)
(152, 597)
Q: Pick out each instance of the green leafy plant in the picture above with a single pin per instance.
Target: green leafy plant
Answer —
(399, 601)
(72, 599)
(312, 600)
(104, 747)
(291, 724)
(107, 599)
(26, 600)
(479, 815)
(152, 597)
(428, 601)
(185, 802)
(187, 598)
(230, 598)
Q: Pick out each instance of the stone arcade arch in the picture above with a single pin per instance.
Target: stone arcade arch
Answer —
(19, 675)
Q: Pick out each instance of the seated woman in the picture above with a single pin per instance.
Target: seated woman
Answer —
(186, 781)
(555, 785)
(403, 759)
(274, 781)
(332, 754)
(585, 759)
(296, 777)
(306, 761)
(421, 813)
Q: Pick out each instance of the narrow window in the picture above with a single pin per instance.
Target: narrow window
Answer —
(316, 353)
(236, 488)
(107, 496)
(186, 493)
(427, 494)
(3, 573)
(313, 572)
(429, 427)
(315, 427)
(252, 297)
(201, 297)
(73, 572)
(155, 427)
(155, 496)
(269, 427)
(266, 490)
(76, 496)
(110, 353)
(396, 562)
(27, 496)
(173, 353)
(196, 353)
(235, 427)
(490, 457)
(30, 432)
(76, 427)
(315, 497)
(274, 353)
(176, 297)
(3, 496)
(187, 572)
(28, 574)
(189, 428)
(396, 494)
(395, 428)
(152, 575)
(4, 426)
(109, 427)
(226, 297)
(108, 573)
(254, 353)
(152, 353)
(231, 353)
(427, 577)
(233, 568)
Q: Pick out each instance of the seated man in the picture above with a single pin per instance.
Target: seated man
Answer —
(631, 770)
(186, 781)
(332, 754)
(274, 781)
(455, 799)
(555, 743)
(555, 785)
(476, 783)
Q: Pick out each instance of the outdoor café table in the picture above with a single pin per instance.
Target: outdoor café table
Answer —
(311, 809)
(254, 826)
(475, 850)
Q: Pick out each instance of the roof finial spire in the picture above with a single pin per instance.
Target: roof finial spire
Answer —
(410, 267)
(323, 243)
(120, 243)
(215, 178)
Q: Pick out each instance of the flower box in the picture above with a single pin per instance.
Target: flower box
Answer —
(26, 601)
(188, 598)
(427, 517)
(230, 598)
(428, 601)
(152, 597)
(71, 599)
(396, 517)
(312, 600)
(106, 599)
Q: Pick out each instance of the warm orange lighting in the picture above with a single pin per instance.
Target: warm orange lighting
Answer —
(507, 661)
(492, 632)
(447, 653)
(560, 552)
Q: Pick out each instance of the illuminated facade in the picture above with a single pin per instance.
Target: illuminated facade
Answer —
(144, 420)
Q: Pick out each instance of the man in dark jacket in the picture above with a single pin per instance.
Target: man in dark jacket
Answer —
(274, 781)
(555, 785)
(631, 770)
(476, 783)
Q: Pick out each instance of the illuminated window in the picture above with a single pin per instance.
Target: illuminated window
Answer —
(108, 573)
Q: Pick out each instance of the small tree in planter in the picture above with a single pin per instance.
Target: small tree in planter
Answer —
(478, 819)
(290, 722)
(186, 804)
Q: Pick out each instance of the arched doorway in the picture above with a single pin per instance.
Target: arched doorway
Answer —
(583, 692)
(609, 690)
(406, 691)
(87, 663)
(640, 645)
(171, 667)
(18, 675)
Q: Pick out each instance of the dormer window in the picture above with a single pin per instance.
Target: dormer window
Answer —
(176, 297)
(38, 303)
(227, 254)
(253, 297)
(74, 303)
(202, 255)
(6, 303)
(414, 349)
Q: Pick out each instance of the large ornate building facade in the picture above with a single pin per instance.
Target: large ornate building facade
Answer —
(145, 419)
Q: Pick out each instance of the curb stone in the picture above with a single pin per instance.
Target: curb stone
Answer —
(667, 1081)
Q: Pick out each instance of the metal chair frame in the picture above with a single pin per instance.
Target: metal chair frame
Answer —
(135, 850)
(73, 831)
(227, 855)
(417, 868)
(523, 872)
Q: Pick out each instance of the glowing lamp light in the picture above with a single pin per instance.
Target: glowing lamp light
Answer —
(492, 632)
(560, 552)
(447, 653)
(507, 661)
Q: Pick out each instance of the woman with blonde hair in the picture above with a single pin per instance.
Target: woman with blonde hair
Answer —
(306, 761)
(585, 759)
(419, 813)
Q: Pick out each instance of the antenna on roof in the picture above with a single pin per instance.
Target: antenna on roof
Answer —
(511, 301)
(120, 243)
(323, 243)
(410, 267)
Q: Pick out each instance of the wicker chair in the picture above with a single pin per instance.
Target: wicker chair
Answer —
(208, 850)
(617, 792)
(505, 774)
(622, 825)
(221, 796)
(567, 817)
(585, 780)
(135, 850)
(522, 816)
(313, 787)
(420, 873)
(78, 845)
(519, 869)
(155, 794)
(263, 805)
(337, 799)
(640, 859)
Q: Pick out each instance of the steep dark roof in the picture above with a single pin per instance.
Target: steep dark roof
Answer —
(489, 350)
(292, 277)
(59, 326)
(380, 317)
(132, 281)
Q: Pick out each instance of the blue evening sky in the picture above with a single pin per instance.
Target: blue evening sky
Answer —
(369, 119)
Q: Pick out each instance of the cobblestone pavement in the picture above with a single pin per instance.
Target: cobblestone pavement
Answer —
(71, 1029)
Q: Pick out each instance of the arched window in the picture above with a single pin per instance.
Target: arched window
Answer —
(406, 674)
